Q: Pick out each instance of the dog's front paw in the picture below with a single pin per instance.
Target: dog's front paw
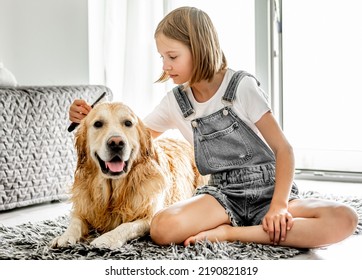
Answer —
(64, 240)
(108, 240)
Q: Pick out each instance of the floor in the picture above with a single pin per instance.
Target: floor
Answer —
(345, 250)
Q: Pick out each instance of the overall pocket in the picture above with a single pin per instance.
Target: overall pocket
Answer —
(224, 147)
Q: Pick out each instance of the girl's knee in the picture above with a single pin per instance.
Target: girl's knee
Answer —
(163, 227)
(337, 221)
(337, 217)
(340, 221)
(347, 218)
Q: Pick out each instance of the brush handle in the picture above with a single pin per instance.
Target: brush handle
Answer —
(72, 126)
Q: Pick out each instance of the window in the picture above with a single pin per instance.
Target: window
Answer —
(322, 93)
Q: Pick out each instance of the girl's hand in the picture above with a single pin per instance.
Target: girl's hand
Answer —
(277, 222)
(78, 110)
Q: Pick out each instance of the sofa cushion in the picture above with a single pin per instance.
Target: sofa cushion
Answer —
(37, 155)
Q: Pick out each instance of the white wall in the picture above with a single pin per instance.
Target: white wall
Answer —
(45, 42)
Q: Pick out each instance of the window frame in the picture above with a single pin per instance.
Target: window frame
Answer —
(269, 70)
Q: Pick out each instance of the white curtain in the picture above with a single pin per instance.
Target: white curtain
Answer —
(122, 51)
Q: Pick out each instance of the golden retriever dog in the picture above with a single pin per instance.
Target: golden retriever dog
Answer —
(123, 177)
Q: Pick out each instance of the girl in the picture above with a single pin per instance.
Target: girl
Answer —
(251, 196)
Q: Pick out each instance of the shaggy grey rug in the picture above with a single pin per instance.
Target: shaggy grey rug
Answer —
(31, 241)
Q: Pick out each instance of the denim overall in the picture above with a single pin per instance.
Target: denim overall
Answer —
(241, 165)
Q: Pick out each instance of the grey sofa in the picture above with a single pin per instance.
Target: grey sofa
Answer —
(37, 155)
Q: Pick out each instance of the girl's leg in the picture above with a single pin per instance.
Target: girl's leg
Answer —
(317, 223)
(187, 218)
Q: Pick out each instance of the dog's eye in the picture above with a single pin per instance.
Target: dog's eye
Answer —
(98, 124)
(128, 123)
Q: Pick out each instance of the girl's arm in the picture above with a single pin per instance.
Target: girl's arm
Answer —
(155, 133)
(278, 220)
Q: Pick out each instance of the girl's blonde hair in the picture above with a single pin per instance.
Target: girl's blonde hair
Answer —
(194, 28)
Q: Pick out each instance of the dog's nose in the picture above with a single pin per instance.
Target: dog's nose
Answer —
(115, 143)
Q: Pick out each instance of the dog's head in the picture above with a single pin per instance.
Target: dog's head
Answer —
(113, 138)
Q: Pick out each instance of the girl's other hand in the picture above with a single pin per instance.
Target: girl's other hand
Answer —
(78, 110)
(277, 223)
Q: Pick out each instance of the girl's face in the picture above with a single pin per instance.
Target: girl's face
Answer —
(176, 56)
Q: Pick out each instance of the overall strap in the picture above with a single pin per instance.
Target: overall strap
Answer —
(183, 101)
(230, 92)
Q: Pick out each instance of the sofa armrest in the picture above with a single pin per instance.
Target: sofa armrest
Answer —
(37, 155)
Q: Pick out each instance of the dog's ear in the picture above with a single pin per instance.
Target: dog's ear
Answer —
(147, 148)
(81, 144)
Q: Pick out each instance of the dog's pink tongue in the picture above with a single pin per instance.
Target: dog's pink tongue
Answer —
(116, 166)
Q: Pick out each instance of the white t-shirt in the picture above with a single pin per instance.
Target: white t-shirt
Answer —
(250, 105)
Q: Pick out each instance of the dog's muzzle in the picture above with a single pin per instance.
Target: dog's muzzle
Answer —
(116, 166)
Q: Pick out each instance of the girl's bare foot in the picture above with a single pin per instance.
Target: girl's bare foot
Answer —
(219, 233)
